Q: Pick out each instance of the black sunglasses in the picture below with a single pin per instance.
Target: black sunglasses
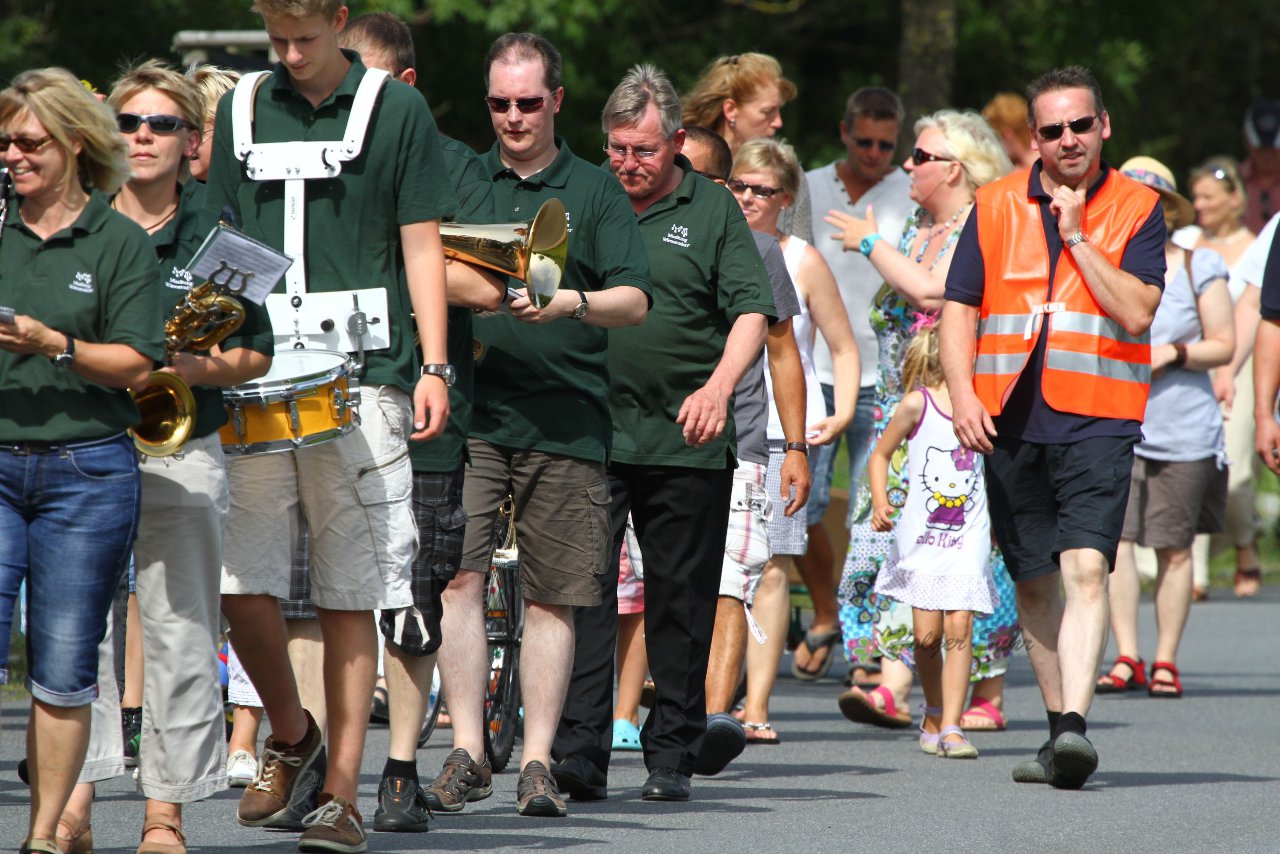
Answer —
(159, 123)
(524, 105)
(758, 190)
(865, 144)
(23, 144)
(919, 155)
(1084, 124)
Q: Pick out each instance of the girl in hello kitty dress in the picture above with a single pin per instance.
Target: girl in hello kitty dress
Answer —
(940, 563)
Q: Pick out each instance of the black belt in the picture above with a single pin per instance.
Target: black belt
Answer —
(25, 449)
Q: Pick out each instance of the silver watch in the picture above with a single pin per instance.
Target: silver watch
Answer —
(1076, 239)
(444, 372)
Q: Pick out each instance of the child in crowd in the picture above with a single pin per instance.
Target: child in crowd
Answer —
(940, 561)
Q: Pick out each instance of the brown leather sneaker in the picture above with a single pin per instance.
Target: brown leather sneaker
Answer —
(334, 826)
(267, 797)
(461, 780)
(537, 793)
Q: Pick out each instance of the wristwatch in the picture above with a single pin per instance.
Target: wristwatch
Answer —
(582, 308)
(444, 372)
(802, 447)
(67, 357)
(1076, 239)
(868, 243)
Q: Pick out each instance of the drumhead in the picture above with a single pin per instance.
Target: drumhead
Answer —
(299, 368)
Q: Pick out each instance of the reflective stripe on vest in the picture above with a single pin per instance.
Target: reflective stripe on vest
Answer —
(1092, 366)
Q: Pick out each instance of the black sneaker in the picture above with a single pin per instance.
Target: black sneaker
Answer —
(304, 798)
(1038, 770)
(723, 742)
(1074, 759)
(402, 807)
(461, 780)
(537, 793)
(131, 723)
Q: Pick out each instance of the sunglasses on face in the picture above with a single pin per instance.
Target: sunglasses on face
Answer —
(866, 144)
(919, 155)
(160, 123)
(524, 105)
(758, 190)
(1078, 126)
(23, 144)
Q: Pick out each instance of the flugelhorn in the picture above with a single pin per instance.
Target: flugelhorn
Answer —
(533, 252)
(203, 318)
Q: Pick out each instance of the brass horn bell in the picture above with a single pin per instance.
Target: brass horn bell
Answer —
(533, 252)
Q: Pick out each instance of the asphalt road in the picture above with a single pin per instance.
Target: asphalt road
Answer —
(1201, 774)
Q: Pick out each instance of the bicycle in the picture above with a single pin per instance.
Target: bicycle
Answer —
(504, 625)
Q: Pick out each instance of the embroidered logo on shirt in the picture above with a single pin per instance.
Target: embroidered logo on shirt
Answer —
(568, 223)
(678, 236)
(180, 279)
(83, 283)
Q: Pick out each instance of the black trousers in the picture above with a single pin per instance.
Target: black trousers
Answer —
(681, 516)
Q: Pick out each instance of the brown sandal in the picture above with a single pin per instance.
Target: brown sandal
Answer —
(75, 842)
(179, 847)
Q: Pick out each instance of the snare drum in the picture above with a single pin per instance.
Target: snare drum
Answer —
(308, 397)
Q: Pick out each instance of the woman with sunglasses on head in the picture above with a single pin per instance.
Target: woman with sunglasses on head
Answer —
(1178, 486)
(954, 154)
(1217, 193)
(741, 97)
(81, 328)
(766, 176)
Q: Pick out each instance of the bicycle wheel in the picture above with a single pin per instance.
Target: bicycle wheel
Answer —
(504, 616)
(435, 700)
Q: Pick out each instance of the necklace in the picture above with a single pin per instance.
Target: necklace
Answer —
(936, 230)
(1234, 237)
(149, 228)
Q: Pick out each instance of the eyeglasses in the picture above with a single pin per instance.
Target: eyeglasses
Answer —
(159, 123)
(759, 191)
(620, 152)
(866, 144)
(709, 176)
(23, 144)
(1084, 124)
(524, 105)
(919, 155)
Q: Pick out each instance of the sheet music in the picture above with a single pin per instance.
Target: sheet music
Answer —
(246, 267)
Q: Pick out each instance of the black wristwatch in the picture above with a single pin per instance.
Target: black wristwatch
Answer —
(580, 311)
(802, 447)
(67, 357)
(444, 372)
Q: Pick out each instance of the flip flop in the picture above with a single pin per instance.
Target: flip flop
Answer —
(378, 711)
(761, 734)
(815, 642)
(859, 707)
(988, 716)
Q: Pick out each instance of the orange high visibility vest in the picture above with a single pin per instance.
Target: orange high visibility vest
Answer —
(1091, 365)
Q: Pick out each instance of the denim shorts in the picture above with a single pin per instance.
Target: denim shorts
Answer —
(68, 518)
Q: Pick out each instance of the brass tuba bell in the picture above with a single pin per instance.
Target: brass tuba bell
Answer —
(167, 407)
(533, 252)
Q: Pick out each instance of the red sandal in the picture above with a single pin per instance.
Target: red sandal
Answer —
(1175, 682)
(1109, 683)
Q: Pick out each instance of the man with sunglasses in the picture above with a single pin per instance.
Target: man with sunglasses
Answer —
(540, 426)
(673, 445)
(866, 179)
(1056, 395)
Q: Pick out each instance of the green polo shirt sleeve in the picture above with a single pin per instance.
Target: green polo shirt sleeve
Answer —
(353, 220)
(475, 205)
(546, 387)
(175, 245)
(95, 281)
(707, 273)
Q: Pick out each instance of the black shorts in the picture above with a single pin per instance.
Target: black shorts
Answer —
(1047, 499)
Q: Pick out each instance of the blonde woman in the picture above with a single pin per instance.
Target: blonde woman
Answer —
(211, 83)
(80, 280)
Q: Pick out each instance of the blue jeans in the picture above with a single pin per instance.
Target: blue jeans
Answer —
(822, 460)
(68, 517)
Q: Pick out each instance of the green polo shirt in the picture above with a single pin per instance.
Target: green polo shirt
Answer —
(95, 281)
(353, 221)
(175, 245)
(706, 273)
(546, 387)
(475, 206)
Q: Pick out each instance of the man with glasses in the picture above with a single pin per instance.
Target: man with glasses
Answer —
(866, 180)
(673, 443)
(540, 427)
(1056, 395)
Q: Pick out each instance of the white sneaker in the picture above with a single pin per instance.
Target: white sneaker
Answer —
(241, 769)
